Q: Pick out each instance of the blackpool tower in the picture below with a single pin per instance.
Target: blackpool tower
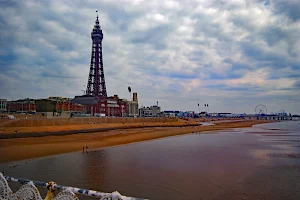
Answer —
(96, 82)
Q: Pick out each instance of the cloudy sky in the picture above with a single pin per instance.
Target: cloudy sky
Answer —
(232, 55)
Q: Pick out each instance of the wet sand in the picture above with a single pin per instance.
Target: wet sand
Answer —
(27, 148)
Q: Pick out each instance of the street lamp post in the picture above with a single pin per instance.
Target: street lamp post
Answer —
(22, 104)
(69, 102)
(46, 109)
(140, 112)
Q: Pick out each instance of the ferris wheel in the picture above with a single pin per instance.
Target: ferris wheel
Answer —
(261, 109)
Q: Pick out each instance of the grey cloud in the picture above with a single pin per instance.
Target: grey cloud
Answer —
(155, 36)
(208, 29)
(291, 8)
(196, 56)
(257, 53)
(273, 35)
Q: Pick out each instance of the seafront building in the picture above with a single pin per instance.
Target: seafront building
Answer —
(296, 117)
(132, 107)
(172, 113)
(53, 106)
(152, 111)
(21, 106)
(3, 105)
(57, 107)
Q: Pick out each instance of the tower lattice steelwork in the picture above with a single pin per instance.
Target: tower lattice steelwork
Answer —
(96, 82)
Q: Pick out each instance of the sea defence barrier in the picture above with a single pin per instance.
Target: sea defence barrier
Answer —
(32, 122)
(29, 190)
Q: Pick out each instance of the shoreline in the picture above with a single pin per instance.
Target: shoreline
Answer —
(16, 149)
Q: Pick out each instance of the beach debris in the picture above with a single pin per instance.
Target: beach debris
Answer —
(13, 166)
(285, 155)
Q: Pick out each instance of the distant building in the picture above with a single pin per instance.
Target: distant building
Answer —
(145, 112)
(135, 96)
(115, 106)
(60, 98)
(172, 113)
(21, 106)
(224, 114)
(203, 114)
(133, 107)
(214, 114)
(44, 106)
(152, 111)
(296, 117)
(89, 102)
(3, 105)
(53, 107)
(111, 106)
(155, 110)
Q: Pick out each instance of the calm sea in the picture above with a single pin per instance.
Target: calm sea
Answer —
(262, 162)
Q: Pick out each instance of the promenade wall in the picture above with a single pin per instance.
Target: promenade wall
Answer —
(32, 122)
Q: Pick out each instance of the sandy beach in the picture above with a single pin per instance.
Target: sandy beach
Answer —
(33, 147)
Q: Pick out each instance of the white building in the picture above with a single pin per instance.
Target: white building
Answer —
(296, 117)
(152, 111)
(132, 109)
(3, 105)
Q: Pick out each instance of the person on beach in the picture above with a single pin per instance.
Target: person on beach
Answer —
(83, 149)
(86, 148)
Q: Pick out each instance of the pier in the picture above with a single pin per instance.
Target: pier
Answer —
(273, 117)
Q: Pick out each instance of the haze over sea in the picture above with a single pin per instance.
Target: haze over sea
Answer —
(261, 162)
